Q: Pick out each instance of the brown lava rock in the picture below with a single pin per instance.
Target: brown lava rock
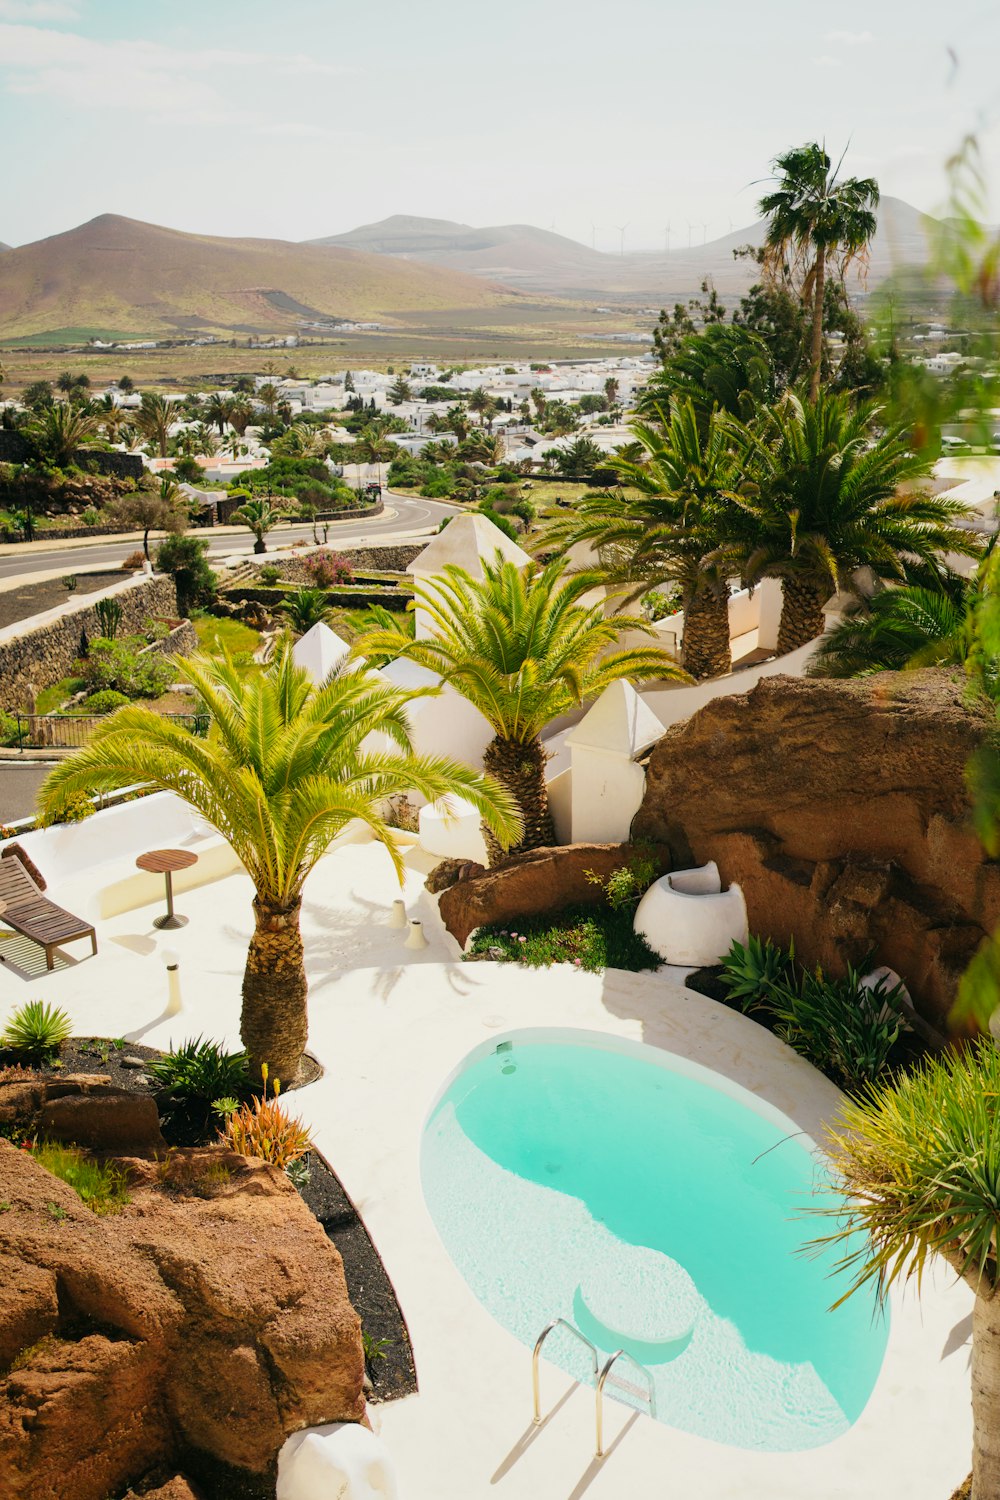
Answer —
(840, 807)
(83, 1109)
(542, 880)
(193, 1331)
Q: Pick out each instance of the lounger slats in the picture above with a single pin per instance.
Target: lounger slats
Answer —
(32, 914)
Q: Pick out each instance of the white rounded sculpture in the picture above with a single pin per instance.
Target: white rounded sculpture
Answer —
(343, 1461)
(453, 832)
(689, 920)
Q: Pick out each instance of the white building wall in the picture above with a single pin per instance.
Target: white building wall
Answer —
(606, 792)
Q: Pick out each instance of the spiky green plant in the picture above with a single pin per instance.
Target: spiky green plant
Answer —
(283, 771)
(36, 1031)
(917, 1174)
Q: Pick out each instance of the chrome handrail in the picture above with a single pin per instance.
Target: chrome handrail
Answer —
(535, 1385)
(602, 1381)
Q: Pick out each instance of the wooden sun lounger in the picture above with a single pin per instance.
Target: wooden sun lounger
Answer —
(25, 907)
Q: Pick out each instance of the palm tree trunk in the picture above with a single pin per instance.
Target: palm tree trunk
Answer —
(986, 1399)
(705, 650)
(802, 617)
(819, 291)
(274, 1023)
(521, 769)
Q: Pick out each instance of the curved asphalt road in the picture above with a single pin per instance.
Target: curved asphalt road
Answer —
(403, 514)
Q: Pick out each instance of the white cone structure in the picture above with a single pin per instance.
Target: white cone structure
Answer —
(397, 915)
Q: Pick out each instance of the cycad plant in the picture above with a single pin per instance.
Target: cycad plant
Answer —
(676, 526)
(916, 1165)
(897, 630)
(523, 647)
(834, 492)
(304, 608)
(282, 772)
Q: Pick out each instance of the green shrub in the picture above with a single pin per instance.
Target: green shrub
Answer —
(625, 887)
(751, 972)
(592, 938)
(104, 702)
(194, 1080)
(125, 668)
(843, 1028)
(269, 575)
(36, 1031)
(500, 522)
(109, 616)
(73, 810)
(102, 1186)
(8, 730)
(184, 558)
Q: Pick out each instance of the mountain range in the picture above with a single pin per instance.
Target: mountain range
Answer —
(542, 262)
(122, 276)
(115, 277)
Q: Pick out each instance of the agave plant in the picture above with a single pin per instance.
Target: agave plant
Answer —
(36, 1031)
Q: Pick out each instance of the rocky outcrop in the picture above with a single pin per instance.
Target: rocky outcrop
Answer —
(543, 880)
(841, 810)
(449, 872)
(193, 1331)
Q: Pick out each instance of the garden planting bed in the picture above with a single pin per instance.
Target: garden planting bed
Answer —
(389, 1355)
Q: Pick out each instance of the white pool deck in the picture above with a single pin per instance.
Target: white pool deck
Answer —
(389, 1025)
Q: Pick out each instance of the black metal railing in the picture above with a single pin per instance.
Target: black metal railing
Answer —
(71, 731)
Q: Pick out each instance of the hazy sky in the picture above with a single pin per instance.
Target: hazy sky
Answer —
(308, 117)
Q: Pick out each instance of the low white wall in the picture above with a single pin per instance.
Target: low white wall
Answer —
(606, 792)
(560, 790)
(673, 705)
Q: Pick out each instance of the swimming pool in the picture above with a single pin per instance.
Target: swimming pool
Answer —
(660, 1208)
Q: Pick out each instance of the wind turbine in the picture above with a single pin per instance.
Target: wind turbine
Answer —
(621, 230)
(690, 227)
(704, 232)
(666, 239)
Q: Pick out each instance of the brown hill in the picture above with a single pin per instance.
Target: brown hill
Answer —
(537, 261)
(120, 276)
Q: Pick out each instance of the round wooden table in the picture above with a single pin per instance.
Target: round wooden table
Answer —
(165, 862)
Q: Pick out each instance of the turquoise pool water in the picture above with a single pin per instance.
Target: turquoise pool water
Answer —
(624, 1189)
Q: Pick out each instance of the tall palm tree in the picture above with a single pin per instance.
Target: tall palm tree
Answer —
(835, 493)
(676, 526)
(523, 648)
(282, 773)
(817, 221)
(110, 417)
(218, 409)
(373, 444)
(259, 516)
(154, 420)
(267, 394)
(916, 1166)
(457, 421)
(479, 402)
(58, 431)
(723, 366)
(240, 414)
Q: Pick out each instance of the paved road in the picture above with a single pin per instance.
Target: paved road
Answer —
(19, 781)
(402, 514)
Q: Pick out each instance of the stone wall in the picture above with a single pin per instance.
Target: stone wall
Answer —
(15, 449)
(38, 652)
(841, 809)
(380, 559)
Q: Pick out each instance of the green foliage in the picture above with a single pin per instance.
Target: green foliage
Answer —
(8, 730)
(750, 972)
(184, 558)
(502, 523)
(104, 702)
(269, 575)
(102, 1186)
(591, 938)
(304, 608)
(897, 630)
(625, 887)
(109, 614)
(36, 1031)
(71, 809)
(374, 1349)
(201, 1070)
(843, 1027)
(125, 668)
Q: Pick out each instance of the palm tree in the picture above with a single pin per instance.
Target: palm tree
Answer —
(373, 444)
(479, 402)
(268, 395)
(126, 385)
(58, 432)
(283, 771)
(259, 516)
(836, 493)
(218, 409)
(899, 629)
(111, 417)
(916, 1168)
(523, 648)
(481, 447)
(305, 608)
(723, 366)
(154, 420)
(580, 459)
(676, 526)
(240, 414)
(611, 390)
(817, 221)
(456, 420)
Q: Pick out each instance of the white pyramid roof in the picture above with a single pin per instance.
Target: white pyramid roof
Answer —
(319, 651)
(466, 541)
(620, 722)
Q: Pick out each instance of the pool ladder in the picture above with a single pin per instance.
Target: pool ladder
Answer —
(601, 1374)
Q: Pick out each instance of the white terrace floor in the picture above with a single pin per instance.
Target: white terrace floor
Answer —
(389, 1025)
